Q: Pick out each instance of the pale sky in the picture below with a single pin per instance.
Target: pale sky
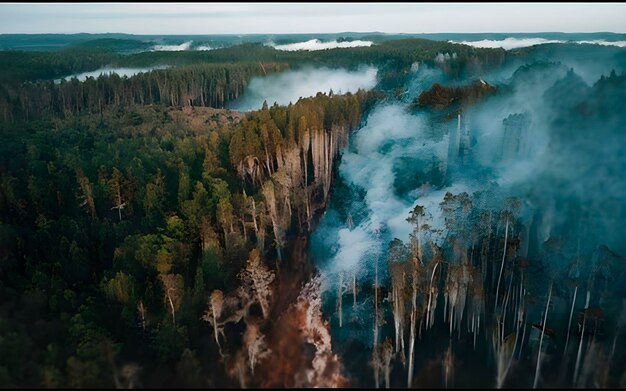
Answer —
(277, 18)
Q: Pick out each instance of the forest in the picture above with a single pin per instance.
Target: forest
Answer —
(478, 242)
(151, 237)
(207, 79)
(116, 226)
(23, 66)
(208, 85)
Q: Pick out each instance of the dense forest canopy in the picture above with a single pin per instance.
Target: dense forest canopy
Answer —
(117, 225)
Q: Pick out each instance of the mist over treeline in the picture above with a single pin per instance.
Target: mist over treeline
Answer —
(32, 66)
(208, 85)
(289, 86)
(201, 78)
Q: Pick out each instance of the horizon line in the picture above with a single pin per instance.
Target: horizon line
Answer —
(328, 33)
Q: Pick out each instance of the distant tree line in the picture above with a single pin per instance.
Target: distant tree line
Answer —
(208, 85)
(19, 66)
(200, 78)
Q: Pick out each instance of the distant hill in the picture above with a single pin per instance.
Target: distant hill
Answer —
(117, 45)
(50, 42)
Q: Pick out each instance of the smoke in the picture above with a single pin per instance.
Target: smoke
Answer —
(353, 245)
(389, 135)
(172, 48)
(620, 44)
(122, 72)
(508, 43)
(385, 145)
(289, 86)
(589, 61)
(180, 48)
(552, 136)
(316, 44)
(526, 141)
(515, 43)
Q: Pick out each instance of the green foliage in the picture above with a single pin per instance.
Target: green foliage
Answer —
(213, 268)
(206, 85)
(88, 366)
(197, 78)
(120, 288)
(21, 66)
(169, 341)
(79, 268)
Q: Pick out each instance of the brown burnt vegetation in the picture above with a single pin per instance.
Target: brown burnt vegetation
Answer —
(440, 97)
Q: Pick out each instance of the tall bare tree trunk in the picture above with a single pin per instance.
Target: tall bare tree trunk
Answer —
(543, 331)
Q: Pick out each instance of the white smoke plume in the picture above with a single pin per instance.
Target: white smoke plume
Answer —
(172, 48)
(316, 44)
(515, 43)
(122, 72)
(620, 44)
(508, 43)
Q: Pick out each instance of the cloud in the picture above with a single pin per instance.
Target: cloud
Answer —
(298, 18)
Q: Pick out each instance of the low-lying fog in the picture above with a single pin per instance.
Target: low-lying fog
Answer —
(514, 43)
(530, 141)
(289, 86)
(316, 44)
(122, 72)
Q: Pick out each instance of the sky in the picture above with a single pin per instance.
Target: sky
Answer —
(283, 18)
